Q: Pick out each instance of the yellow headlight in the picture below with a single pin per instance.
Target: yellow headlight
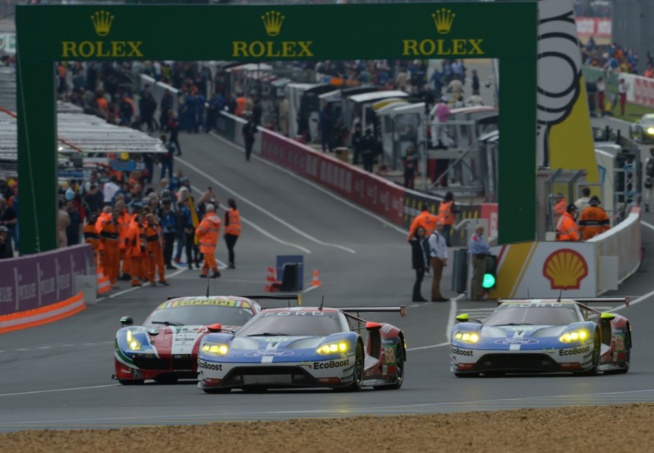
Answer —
(333, 348)
(215, 349)
(467, 337)
(575, 336)
(650, 130)
(132, 343)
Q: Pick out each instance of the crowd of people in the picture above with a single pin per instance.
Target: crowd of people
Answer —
(137, 235)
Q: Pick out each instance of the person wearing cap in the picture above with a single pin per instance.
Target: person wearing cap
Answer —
(155, 247)
(232, 230)
(5, 243)
(208, 232)
(437, 260)
(566, 227)
(168, 222)
(137, 247)
(593, 220)
(425, 220)
(249, 129)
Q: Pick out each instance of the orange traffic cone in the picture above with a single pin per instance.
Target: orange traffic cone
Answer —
(271, 279)
(316, 279)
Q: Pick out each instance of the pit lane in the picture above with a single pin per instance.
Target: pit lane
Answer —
(58, 375)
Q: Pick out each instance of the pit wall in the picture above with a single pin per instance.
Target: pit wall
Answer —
(536, 269)
(40, 288)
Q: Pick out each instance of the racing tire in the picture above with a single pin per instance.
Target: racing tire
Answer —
(359, 360)
(217, 391)
(399, 376)
(166, 380)
(130, 382)
(597, 350)
(625, 364)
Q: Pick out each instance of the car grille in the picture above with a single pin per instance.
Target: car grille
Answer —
(183, 362)
(288, 375)
(517, 362)
(151, 363)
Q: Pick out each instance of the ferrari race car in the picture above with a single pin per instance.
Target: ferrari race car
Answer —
(165, 347)
(542, 336)
(643, 130)
(304, 347)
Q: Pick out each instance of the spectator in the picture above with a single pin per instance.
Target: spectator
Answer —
(583, 201)
(419, 260)
(5, 243)
(438, 260)
(368, 146)
(167, 158)
(8, 218)
(110, 190)
(74, 228)
(410, 162)
(63, 221)
(168, 224)
(648, 171)
(93, 199)
(249, 129)
(5, 190)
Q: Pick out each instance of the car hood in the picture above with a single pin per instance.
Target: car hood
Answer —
(276, 343)
(521, 335)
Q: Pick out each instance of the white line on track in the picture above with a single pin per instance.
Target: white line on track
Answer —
(263, 210)
(59, 390)
(261, 230)
(315, 186)
(311, 288)
(648, 225)
(129, 290)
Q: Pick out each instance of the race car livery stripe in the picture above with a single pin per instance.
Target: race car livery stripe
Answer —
(43, 315)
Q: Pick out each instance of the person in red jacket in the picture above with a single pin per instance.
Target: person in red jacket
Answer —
(207, 233)
(232, 229)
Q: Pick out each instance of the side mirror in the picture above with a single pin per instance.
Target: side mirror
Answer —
(215, 327)
(126, 321)
(370, 326)
(607, 316)
(464, 317)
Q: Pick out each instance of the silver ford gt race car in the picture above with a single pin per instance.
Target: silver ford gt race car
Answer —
(542, 336)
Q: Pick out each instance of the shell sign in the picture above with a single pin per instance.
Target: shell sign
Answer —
(565, 269)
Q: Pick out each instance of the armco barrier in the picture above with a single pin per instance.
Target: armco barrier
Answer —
(43, 315)
(36, 281)
(624, 242)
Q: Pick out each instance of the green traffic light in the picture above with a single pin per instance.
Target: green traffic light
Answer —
(489, 281)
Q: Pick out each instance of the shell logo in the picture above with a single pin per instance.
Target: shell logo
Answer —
(565, 269)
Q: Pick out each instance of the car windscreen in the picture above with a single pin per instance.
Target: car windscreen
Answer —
(292, 324)
(533, 314)
(201, 315)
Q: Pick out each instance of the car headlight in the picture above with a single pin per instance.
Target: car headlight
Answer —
(650, 130)
(215, 348)
(575, 336)
(467, 337)
(333, 348)
(132, 343)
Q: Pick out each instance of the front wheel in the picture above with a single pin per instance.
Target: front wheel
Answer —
(399, 374)
(359, 360)
(597, 350)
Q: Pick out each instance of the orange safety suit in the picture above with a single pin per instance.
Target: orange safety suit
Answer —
(233, 224)
(207, 233)
(92, 237)
(103, 218)
(426, 220)
(559, 208)
(593, 221)
(110, 258)
(125, 220)
(566, 228)
(445, 213)
(154, 238)
(137, 251)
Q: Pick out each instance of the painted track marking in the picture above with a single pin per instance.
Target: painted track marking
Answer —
(263, 210)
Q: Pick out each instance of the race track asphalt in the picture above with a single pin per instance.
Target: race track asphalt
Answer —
(58, 375)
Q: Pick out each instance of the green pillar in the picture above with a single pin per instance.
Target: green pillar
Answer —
(37, 156)
(517, 159)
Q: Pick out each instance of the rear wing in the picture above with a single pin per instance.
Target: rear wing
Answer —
(401, 310)
(581, 300)
(592, 300)
(289, 298)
